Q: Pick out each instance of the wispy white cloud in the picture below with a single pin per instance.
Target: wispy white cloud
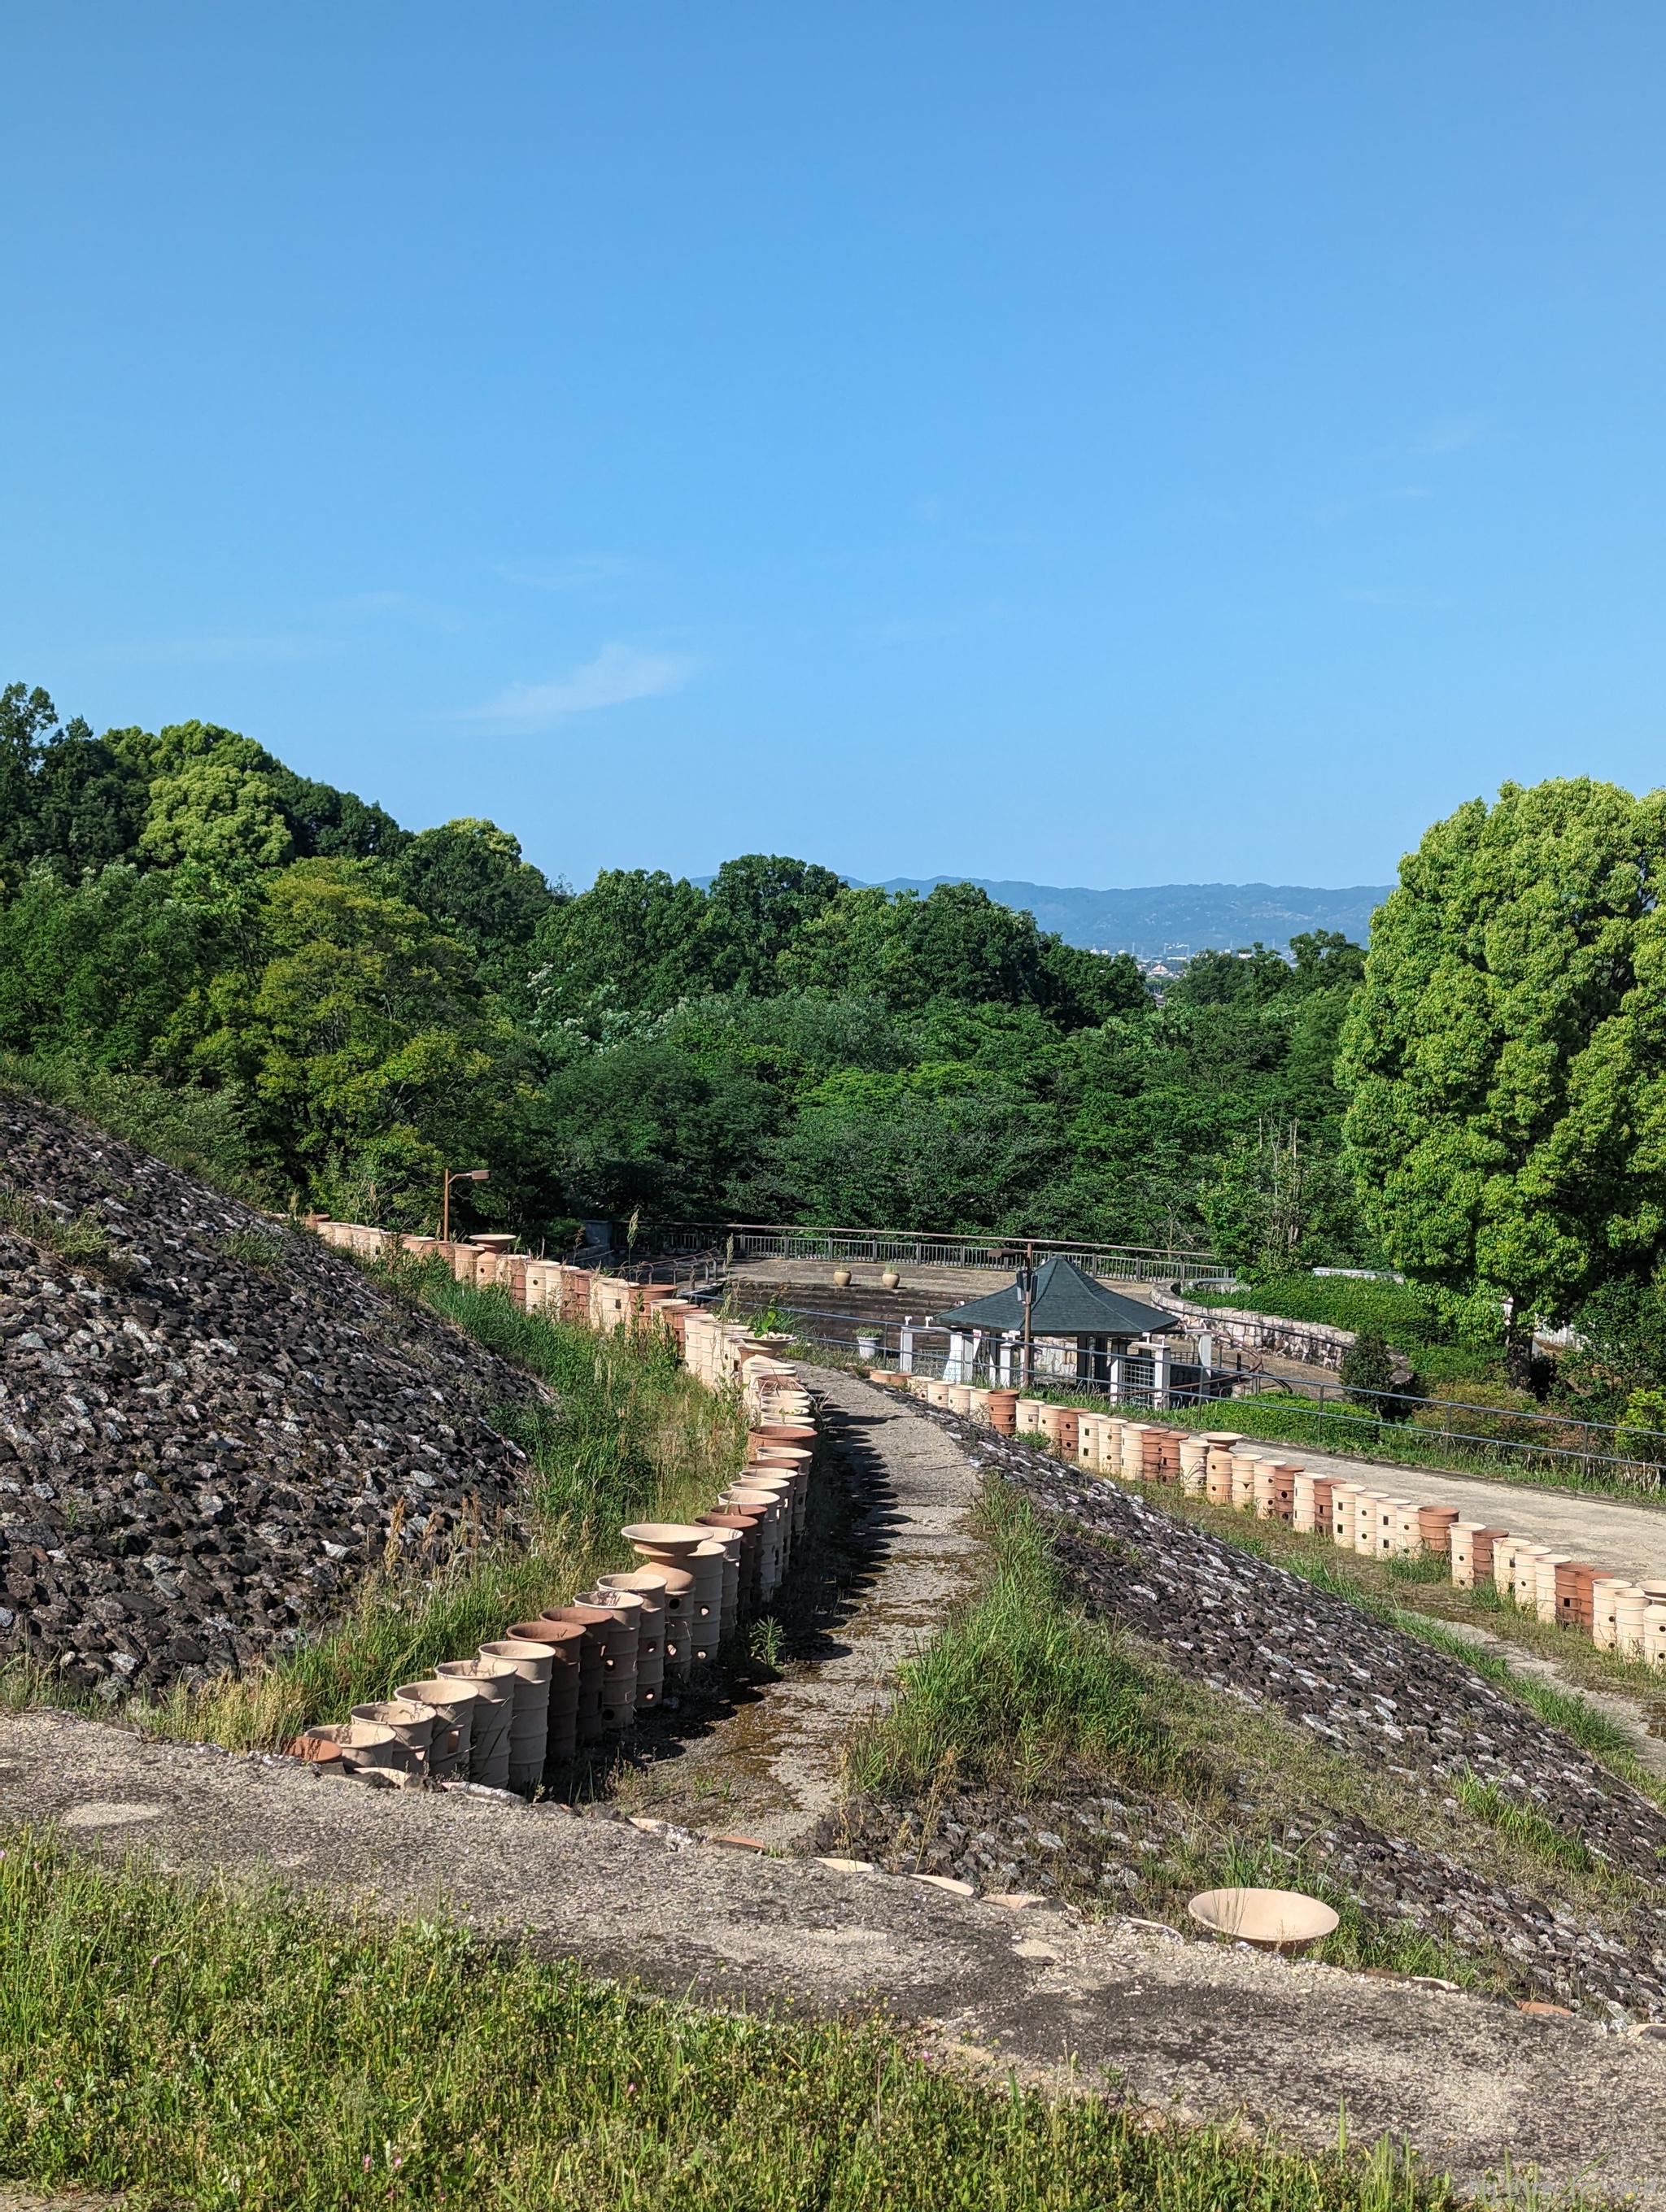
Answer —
(1451, 433)
(571, 575)
(618, 673)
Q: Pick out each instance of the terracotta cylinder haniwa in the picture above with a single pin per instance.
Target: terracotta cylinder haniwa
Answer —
(937, 1392)
(1367, 1507)
(1324, 1490)
(1484, 1540)
(1110, 1443)
(1004, 1411)
(413, 1725)
(368, 1748)
(1262, 1489)
(1505, 1548)
(494, 1681)
(1629, 1606)
(1603, 1626)
(1133, 1453)
(767, 1482)
(1301, 1502)
(978, 1405)
(1461, 1550)
(1218, 1477)
(529, 1725)
(579, 1634)
(1087, 1440)
(1286, 1475)
(679, 1593)
(1545, 1583)
(782, 1433)
(1244, 1464)
(729, 1539)
(770, 1509)
(1194, 1466)
(745, 1527)
(453, 1703)
(620, 1645)
(1029, 1415)
(1344, 1513)
(650, 1588)
(705, 1630)
(1654, 1635)
(1405, 1532)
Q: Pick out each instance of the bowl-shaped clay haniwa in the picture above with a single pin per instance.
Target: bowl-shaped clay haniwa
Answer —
(667, 1540)
(1274, 1919)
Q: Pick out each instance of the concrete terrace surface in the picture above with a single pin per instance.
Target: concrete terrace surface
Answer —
(1207, 2031)
(1587, 1525)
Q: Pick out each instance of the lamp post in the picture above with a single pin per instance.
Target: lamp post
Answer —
(1027, 1284)
(452, 1175)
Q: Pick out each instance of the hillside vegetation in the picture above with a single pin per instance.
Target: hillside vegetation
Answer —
(361, 1004)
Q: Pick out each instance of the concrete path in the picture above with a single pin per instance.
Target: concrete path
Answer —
(1211, 2032)
(1610, 1532)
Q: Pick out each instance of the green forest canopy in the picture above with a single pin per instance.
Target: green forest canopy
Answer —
(375, 1002)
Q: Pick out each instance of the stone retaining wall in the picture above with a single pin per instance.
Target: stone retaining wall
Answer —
(1314, 1342)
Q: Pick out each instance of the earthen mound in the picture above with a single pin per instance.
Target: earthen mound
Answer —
(209, 1423)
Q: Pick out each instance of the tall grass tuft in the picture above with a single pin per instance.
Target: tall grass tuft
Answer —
(1020, 1686)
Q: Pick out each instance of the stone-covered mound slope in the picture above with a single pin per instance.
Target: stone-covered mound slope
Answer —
(207, 1429)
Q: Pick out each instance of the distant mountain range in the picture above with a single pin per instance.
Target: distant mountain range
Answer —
(1179, 918)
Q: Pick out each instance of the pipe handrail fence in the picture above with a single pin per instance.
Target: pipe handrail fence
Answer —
(752, 1239)
(1327, 1417)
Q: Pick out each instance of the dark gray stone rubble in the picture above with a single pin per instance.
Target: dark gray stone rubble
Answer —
(208, 1436)
(1251, 1629)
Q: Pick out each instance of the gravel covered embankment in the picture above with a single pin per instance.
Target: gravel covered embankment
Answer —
(200, 1449)
(1255, 1631)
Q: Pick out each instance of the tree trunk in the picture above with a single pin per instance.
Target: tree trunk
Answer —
(1518, 1348)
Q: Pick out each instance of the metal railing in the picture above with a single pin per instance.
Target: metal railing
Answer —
(1317, 1416)
(751, 1240)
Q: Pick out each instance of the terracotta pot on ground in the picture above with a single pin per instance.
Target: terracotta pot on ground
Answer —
(577, 1636)
(665, 1543)
(1272, 1919)
(413, 1725)
(1434, 1524)
(1226, 1439)
(454, 1703)
(890, 1280)
(782, 1433)
(493, 1683)
(529, 1724)
(841, 1279)
(1004, 1411)
(650, 1588)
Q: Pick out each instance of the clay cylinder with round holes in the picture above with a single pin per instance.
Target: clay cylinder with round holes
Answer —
(1029, 1416)
(1194, 1466)
(1544, 1581)
(1505, 1548)
(1004, 1411)
(1404, 1534)
(1461, 1551)
(706, 1618)
(493, 1683)
(1218, 1476)
(745, 1528)
(1131, 1451)
(368, 1748)
(1654, 1635)
(529, 1724)
(729, 1539)
(1244, 1464)
(1604, 1627)
(1301, 1502)
(1087, 1440)
(1262, 1479)
(621, 1646)
(1485, 1539)
(1367, 1508)
(649, 1588)
(453, 1703)
(1629, 1606)
(674, 1635)
(1322, 1488)
(769, 1508)
(1344, 1513)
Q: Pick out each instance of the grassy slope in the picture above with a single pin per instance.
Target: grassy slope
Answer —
(219, 2050)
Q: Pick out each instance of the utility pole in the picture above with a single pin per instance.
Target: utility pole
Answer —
(1027, 1285)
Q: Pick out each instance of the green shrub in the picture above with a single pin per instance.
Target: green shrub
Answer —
(1490, 1411)
(198, 1132)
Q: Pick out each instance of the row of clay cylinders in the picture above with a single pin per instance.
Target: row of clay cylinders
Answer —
(692, 1560)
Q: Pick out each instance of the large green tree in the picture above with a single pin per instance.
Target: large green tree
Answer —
(1507, 1052)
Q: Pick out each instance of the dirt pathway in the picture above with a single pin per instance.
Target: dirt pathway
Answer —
(887, 1550)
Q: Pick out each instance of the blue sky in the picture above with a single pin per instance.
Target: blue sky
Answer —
(1096, 444)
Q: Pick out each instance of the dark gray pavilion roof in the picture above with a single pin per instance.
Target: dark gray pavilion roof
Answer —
(1067, 1302)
